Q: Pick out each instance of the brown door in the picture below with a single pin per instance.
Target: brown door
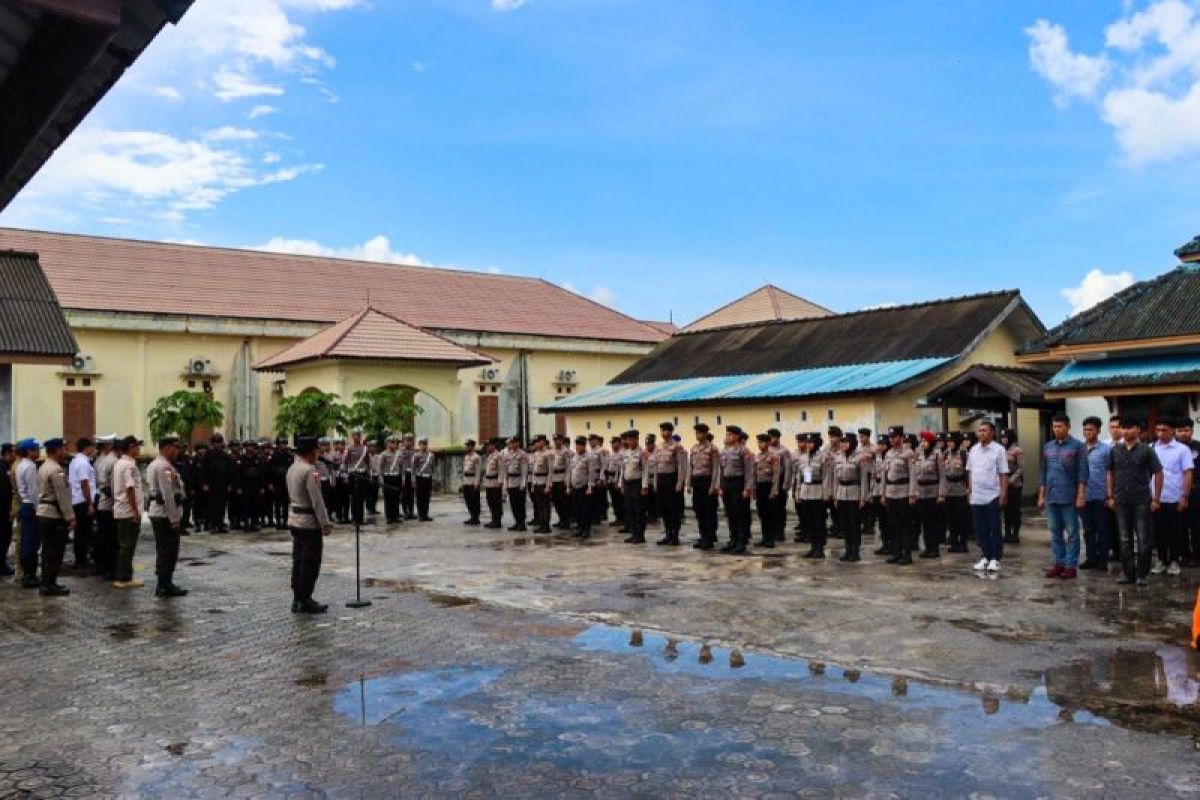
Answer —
(489, 417)
(560, 424)
(79, 415)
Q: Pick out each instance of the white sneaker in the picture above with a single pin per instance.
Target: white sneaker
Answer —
(981, 565)
(1158, 568)
(1174, 568)
(993, 566)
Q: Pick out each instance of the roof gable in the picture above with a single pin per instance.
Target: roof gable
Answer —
(937, 329)
(99, 274)
(31, 322)
(764, 304)
(373, 335)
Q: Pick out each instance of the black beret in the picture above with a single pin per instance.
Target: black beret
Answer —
(700, 427)
(667, 426)
(774, 432)
(734, 429)
(864, 431)
(581, 440)
(834, 430)
(882, 439)
(306, 444)
(896, 430)
(762, 437)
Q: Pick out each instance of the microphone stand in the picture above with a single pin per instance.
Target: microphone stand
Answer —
(356, 481)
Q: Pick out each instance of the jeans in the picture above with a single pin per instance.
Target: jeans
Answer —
(1097, 532)
(31, 538)
(1063, 520)
(1133, 521)
(986, 520)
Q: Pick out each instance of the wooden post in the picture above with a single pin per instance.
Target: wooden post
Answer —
(945, 417)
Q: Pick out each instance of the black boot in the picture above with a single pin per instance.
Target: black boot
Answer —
(53, 590)
(904, 559)
(169, 589)
(815, 553)
(308, 606)
(931, 552)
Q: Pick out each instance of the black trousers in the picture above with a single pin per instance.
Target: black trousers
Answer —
(618, 502)
(1191, 528)
(650, 503)
(233, 502)
(668, 501)
(900, 521)
(958, 520)
(199, 509)
(471, 498)
(83, 535)
(930, 519)
(1012, 514)
(850, 517)
(737, 510)
(408, 497)
(373, 499)
(812, 521)
(54, 546)
(1167, 533)
(166, 549)
(516, 502)
(358, 496)
(424, 490)
(306, 561)
(879, 514)
(541, 505)
(704, 506)
(104, 550)
(781, 514)
(767, 510)
(185, 515)
(6, 534)
(583, 509)
(391, 498)
(563, 508)
(495, 502)
(635, 508)
(599, 503)
(279, 505)
(215, 502)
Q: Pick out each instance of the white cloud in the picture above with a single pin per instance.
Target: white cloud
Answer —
(377, 248)
(151, 173)
(166, 93)
(507, 5)
(233, 85)
(261, 111)
(1145, 84)
(1096, 287)
(598, 294)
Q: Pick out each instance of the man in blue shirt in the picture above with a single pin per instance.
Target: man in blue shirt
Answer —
(1061, 489)
(1097, 519)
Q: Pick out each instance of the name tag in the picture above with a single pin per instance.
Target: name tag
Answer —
(808, 475)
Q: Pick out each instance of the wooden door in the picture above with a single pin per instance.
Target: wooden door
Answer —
(489, 417)
(78, 415)
(560, 423)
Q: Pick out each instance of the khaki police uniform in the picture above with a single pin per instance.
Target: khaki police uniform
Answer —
(308, 519)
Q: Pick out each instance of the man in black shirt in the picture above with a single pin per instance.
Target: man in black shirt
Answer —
(1132, 465)
(216, 475)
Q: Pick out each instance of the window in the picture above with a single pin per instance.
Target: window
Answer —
(70, 381)
(778, 418)
(631, 425)
(587, 425)
(191, 384)
(804, 416)
(696, 420)
(675, 420)
(718, 419)
(608, 424)
(829, 415)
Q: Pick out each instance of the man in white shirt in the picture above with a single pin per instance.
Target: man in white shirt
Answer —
(27, 492)
(987, 475)
(81, 477)
(1167, 521)
(127, 511)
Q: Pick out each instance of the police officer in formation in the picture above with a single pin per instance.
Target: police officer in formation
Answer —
(472, 479)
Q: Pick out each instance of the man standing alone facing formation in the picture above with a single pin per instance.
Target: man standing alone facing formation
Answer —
(309, 522)
(987, 471)
(1062, 488)
(166, 515)
(1135, 483)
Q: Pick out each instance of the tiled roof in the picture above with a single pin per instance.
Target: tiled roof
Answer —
(762, 305)
(1160, 307)
(31, 321)
(819, 382)
(668, 328)
(101, 274)
(1116, 373)
(375, 336)
(936, 329)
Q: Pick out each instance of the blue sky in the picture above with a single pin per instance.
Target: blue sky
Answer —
(664, 157)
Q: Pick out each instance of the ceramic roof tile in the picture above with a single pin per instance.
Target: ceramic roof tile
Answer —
(762, 305)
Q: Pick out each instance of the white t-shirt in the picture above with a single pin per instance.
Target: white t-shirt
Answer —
(986, 464)
(81, 470)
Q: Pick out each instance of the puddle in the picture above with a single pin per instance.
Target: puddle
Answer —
(525, 542)
(312, 681)
(125, 631)
(373, 701)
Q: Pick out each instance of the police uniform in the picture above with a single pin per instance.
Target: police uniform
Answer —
(356, 461)
(958, 512)
(514, 466)
(422, 471)
(899, 482)
(669, 479)
(389, 475)
(600, 495)
(583, 475)
(736, 470)
(767, 475)
(233, 503)
(278, 466)
(253, 488)
(851, 490)
(814, 487)
(539, 484)
(308, 521)
(930, 492)
(54, 515)
(787, 465)
(613, 464)
(650, 498)
(408, 489)
(472, 478)
(105, 551)
(374, 461)
(166, 518)
(216, 476)
(560, 460)
(634, 489)
(493, 483)
(704, 464)
(877, 485)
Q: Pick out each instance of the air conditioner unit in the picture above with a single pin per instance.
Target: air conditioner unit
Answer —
(200, 366)
(566, 376)
(82, 362)
(489, 374)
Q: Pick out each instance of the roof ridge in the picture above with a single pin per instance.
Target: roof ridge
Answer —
(772, 294)
(859, 312)
(598, 304)
(433, 334)
(356, 317)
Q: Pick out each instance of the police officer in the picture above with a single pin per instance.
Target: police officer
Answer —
(55, 516)
(787, 464)
(166, 515)
(560, 460)
(883, 443)
(253, 487)
(600, 495)
(669, 478)
(198, 494)
(422, 469)
(650, 499)
(493, 481)
(357, 463)
(954, 472)
(703, 483)
(930, 492)
(235, 505)
(613, 466)
(309, 521)
(278, 466)
(767, 475)
(899, 495)
(539, 484)
(582, 479)
(322, 464)
(408, 488)
(514, 466)
(185, 470)
(389, 476)
(216, 474)
(105, 551)
(814, 489)
(472, 478)
(634, 487)
(372, 488)
(851, 479)
(736, 472)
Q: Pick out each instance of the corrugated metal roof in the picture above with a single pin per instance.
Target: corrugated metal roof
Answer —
(31, 321)
(1127, 372)
(1160, 307)
(817, 382)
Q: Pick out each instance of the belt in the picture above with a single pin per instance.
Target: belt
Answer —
(956, 478)
(847, 483)
(897, 483)
(302, 510)
(560, 471)
(927, 483)
(540, 474)
(468, 474)
(664, 474)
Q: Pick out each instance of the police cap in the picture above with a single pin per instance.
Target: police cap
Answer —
(762, 437)
(168, 441)
(774, 432)
(834, 430)
(864, 431)
(700, 427)
(306, 444)
(469, 443)
(896, 430)
(581, 440)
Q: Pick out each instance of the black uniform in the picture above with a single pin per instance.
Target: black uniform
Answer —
(6, 526)
(217, 469)
(185, 468)
(254, 491)
(277, 468)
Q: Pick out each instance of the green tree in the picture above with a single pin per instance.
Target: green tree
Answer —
(379, 411)
(182, 412)
(311, 414)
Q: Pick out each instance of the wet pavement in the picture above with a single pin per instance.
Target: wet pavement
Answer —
(499, 664)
